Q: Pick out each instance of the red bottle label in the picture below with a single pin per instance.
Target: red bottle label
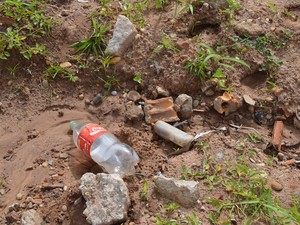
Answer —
(88, 135)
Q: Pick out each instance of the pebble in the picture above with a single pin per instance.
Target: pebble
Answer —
(30, 205)
(19, 196)
(81, 96)
(114, 93)
(276, 186)
(64, 208)
(2, 191)
(63, 155)
(9, 83)
(196, 103)
(152, 219)
(65, 188)
(45, 83)
(65, 65)
(97, 99)
(45, 164)
(64, 13)
(87, 102)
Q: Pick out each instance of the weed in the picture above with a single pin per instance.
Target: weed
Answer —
(13, 70)
(170, 209)
(167, 43)
(271, 85)
(144, 191)
(272, 6)
(105, 61)
(254, 137)
(95, 43)
(1, 182)
(233, 5)
(55, 70)
(28, 24)
(110, 82)
(138, 78)
(193, 219)
(209, 64)
(135, 11)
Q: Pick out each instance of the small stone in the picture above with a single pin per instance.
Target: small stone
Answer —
(9, 83)
(19, 196)
(30, 205)
(273, 28)
(249, 100)
(12, 217)
(133, 96)
(37, 201)
(87, 102)
(45, 164)
(64, 208)
(65, 188)
(97, 99)
(63, 155)
(185, 105)
(183, 44)
(2, 191)
(115, 60)
(65, 65)
(61, 173)
(31, 217)
(133, 112)
(81, 96)
(209, 92)
(26, 91)
(277, 91)
(196, 103)
(276, 186)
(45, 83)
(162, 92)
(64, 13)
(245, 28)
(114, 93)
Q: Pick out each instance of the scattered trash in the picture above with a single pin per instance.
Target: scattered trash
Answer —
(227, 104)
(238, 127)
(185, 104)
(275, 144)
(259, 117)
(104, 148)
(160, 109)
(249, 100)
(186, 193)
(123, 36)
(173, 134)
(107, 198)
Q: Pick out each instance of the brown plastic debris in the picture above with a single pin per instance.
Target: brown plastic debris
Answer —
(160, 109)
(277, 135)
(227, 104)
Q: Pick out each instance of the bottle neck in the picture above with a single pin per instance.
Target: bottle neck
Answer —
(73, 124)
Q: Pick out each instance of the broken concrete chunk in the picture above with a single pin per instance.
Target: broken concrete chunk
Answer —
(133, 112)
(160, 109)
(227, 103)
(31, 217)
(251, 29)
(107, 198)
(123, 36)
(186, 193)
(133, 96)
(248, 100)
(185, 105)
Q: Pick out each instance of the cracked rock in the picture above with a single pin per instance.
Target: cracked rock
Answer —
(185, 105)
(107, 198)
(123, 36)
(186, 193)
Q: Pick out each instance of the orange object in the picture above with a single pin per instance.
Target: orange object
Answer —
(277, 134)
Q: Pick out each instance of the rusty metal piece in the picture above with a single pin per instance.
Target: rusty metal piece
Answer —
(160, 109)
(277, 134)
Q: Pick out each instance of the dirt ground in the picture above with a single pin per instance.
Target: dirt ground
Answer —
(40, 161)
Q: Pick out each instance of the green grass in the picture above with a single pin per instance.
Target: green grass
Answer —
(144, 191)
(53, 71)
(95, 43)
(28, 25)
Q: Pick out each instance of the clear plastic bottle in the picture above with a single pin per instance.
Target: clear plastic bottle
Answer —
(104, 148)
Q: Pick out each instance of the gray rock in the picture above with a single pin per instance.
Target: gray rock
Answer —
(107, 198)
(185, 106)
(162, 92)
(249, 100)
(133, 112)
(133, 96)
(245, 28)
(217, 4)
(186, 193)
(123, 36)
(32, 217)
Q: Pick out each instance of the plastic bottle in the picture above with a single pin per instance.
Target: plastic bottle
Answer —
(104, 148)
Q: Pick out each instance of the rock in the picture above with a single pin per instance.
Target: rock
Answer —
(65, 65)
(114, 93)
(227, 104)
(81, 96)
(160, 109)
(248, 100)
(64, 13)
(162, 92)
(185, 105)
(123, 36)
(251, 29)
(196, 103)
(45, 164)
(9, 83)
(19, 196)
(97, 99)
(133, 96)
(115, 60)
(186, 193)
(63, 155)
(12, 217)
(31, 217)
(45, 83)
(280, 156)
(276, 186)
(183, 44)
(133, 112)
(277, 91)
(26, 91)
(64, 208)
(107, 198)
(217, 4)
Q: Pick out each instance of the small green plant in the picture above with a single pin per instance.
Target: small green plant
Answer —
(95, 43)
(138, 78)
(254, 137)
(272, 6)
(170, 209)
(144, 191)
(193, 219)
(110, 82)
(13, 70)
(167, 43)
(233, 5)
(209, 64)
(135, 11)
(1, 182)
(53, 71)
(28, 25)
(271, 85)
